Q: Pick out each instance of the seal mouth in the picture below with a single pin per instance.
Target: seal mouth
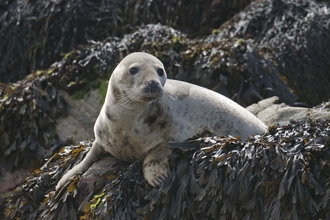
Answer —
(150, 98)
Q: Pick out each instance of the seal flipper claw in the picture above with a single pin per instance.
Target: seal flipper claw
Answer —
(162, 178)
(155, 172)
(156, 183)
(155, 165)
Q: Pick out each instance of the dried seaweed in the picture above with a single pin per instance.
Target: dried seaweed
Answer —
(283, 174)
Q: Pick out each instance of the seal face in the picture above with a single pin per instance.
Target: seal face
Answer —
(143, 112)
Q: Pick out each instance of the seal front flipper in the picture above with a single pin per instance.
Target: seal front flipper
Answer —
(96, 151)
(155, 165)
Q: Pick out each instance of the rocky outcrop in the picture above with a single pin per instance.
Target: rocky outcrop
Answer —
(271, 112)
(82, 113)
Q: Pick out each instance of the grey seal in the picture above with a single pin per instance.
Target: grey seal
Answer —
(144, 111)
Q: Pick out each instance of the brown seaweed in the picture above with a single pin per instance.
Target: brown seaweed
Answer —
(283, 174)
(294, 34)
(34, 34)
(27, 122)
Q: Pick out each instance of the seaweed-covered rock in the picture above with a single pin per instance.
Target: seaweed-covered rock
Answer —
(294, 34)
(29, 109)
(289, 33)
(282, 174)
(27, 116)
(228, 66)
(34, 34)
(195, 18)
(37, 33)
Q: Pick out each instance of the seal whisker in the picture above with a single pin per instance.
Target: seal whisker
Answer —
(124, 100)
(128, 100)
(169, 98)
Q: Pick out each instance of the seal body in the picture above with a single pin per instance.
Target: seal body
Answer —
(143, 112)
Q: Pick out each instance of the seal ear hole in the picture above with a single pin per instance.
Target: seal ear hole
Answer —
(160, 72)
(133, 70)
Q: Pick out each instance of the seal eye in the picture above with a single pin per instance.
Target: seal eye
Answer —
(133, 70)
(160, 72)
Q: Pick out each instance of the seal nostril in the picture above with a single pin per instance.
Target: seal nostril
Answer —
(154, 86)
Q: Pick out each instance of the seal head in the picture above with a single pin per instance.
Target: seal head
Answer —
(139, 78)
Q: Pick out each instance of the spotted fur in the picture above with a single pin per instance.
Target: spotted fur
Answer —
(137, 122)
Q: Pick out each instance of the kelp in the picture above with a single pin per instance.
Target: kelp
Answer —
(195, 18)
(34, 34)
(286, 33)
(27, 123)
(293, 34)
(282, 174)
(228, 66)
(37, 33)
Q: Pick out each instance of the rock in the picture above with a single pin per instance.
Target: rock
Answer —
(10, 180)
(271, 113)
(79, 122)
